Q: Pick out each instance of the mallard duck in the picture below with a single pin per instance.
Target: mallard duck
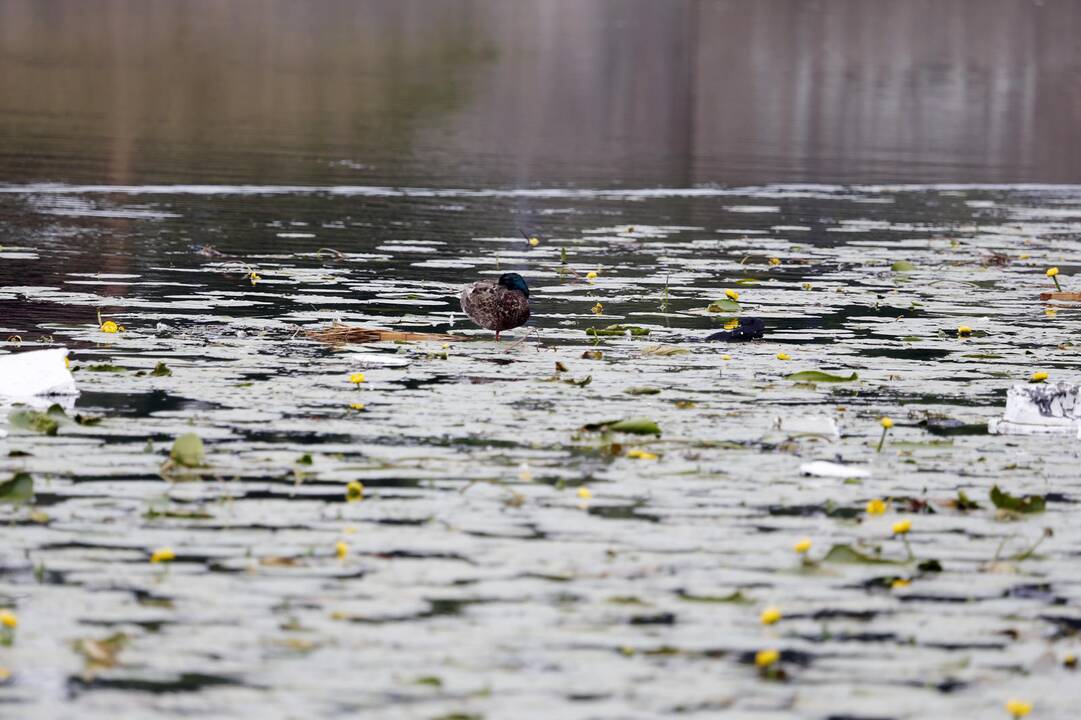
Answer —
(499, 305)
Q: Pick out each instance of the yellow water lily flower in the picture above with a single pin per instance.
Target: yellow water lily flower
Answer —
(1018, 708)
(341, 550)
(902, 527)
(597, 309)
(8, 619)
(357, 378)
(731, 324)
(162, 555)
(534, 242)
(726, 357)
(784, 356)
(1038, 377)
(640, 454)
(964, 330)
(354, 491)
(585, 493)
(254, 277)
(731, 294)
(770, 616)
(357, 406)
(803, 546)
(591, 275)
(886, 423)
(110, 327)
(899, 583)
(876, 507)
(765, 658)
(774, 261)
(1053, 274)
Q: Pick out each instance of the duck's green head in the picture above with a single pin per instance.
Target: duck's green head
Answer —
(514, 281)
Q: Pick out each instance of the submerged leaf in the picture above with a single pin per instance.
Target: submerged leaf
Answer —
(846, 554)
(188, 450)
(642, 391)
(1027, 504)
(819, 376)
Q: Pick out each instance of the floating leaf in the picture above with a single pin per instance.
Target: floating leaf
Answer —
(642, 391)
(18, 490)
(305, 459)
(580, 382)
(633, 426)
(819, 376)
(1027, 504)
(105, 367)
(161, 370)
(47, 423)
(724, 305)
(618, 330)
(846, 554)
(188, 450)
(902, 266)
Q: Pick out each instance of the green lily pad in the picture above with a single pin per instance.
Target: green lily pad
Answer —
(633, 426)
(819, 376)
(19, 490)
(724, 305)
(188, 450)
(47, 423)
(902, 266)
(617, 330)
(105, 367)
(1027, 504)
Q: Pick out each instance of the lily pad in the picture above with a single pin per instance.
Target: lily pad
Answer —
(19, 490)
(1027, 504)
(617, 330)
(724, 305)
(188, 450)
(633, 426)
(902, 266)
(819, 376)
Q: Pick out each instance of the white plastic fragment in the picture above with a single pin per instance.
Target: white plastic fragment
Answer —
(824, 468)
(1040, 409)
(34, 373)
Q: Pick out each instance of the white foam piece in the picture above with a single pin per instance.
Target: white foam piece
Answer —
(36, 373)
(823, 468)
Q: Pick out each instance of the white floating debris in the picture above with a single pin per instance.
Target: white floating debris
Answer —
(817, 425)
(1038, 409)
(823, 468)
(39, 372)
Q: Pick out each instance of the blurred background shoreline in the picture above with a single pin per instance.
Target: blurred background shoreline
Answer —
(575, 93)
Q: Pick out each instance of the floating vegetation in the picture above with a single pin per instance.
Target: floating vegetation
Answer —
(660, 493)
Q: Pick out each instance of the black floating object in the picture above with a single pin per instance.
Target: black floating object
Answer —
(749, 329)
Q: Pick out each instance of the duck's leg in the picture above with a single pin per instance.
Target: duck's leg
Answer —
(497, 336)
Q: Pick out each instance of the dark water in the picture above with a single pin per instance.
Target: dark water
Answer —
(648, 142)
(468, 93)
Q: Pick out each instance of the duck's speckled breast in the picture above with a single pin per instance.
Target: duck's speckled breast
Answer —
(494, 307)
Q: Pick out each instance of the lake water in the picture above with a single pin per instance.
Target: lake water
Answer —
(867, 178)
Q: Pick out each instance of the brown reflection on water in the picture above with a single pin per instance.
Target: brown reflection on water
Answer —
(539, 92)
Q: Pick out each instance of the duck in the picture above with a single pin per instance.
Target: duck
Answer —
(499, 305)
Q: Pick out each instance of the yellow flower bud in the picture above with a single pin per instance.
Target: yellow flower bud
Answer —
(784, 356)
(886, 423)
(731, 294)
(357, 378)
(1052, 272)
(876, 507)
(765, 658)
(8, 619)
(803, 546)
(901, 527)
(1039, 376)
(1018, 708)
(162, 555)
(770, 616)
